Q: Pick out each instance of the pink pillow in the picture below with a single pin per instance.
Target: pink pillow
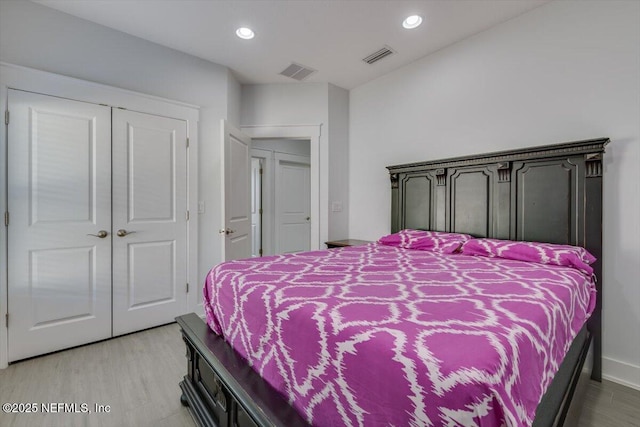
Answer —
(541, 253)
(435, 241)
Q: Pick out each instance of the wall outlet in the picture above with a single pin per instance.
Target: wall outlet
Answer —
(201, 206)
(336, 207)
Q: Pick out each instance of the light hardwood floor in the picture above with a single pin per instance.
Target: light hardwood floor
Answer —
(609, 404)
(138, 375)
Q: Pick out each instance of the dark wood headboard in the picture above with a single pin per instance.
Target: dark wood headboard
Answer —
(550, 193)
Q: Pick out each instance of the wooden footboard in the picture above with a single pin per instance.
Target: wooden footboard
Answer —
(221, 389)
(556, 402)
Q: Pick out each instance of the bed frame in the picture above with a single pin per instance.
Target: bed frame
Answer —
(549, 194)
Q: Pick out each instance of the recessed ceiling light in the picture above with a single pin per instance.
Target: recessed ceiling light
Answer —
(412, 21)
(245, 33)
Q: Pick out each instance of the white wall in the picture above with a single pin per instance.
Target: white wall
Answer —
(284, 104)
(299, 147)
(338, 132)
(565, 71)
(35, 36)
(308, 104)
(234, 91)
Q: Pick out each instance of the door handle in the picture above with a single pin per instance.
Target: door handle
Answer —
(122, 233)
(101, 234)
(226, 231)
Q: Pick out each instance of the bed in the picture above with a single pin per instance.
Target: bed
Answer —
(544, 194)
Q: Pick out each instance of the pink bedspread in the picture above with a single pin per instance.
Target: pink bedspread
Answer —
(375, 335)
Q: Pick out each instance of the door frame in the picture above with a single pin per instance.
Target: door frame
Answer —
(256, 201)
(28, 79)
(319, 193)
(265, 157)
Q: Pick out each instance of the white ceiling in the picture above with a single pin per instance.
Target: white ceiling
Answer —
(331, 36)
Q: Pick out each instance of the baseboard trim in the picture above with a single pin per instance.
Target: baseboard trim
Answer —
(621, 372)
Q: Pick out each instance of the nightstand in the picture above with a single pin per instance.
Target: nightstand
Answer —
(344, 243)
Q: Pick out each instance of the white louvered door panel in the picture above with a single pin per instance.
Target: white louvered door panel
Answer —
(59, 275)
(149, 220)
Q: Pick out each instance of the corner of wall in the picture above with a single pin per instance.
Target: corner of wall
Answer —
(234, 95)
(338, 141)
(619, 372)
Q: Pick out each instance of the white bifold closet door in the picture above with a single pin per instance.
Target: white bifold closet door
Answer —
(59, 234)
(149, 220)
(98, 231)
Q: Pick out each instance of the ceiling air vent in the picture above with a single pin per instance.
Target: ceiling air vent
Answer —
(297, 71)
(378, 55)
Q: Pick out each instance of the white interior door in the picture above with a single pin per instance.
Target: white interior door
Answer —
(256, 207)
(149, 220)
(293, 203)
(59, 233)
(237, 193)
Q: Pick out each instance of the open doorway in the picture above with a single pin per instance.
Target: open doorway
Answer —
(319, 200)
(280, 195)
(256, 206)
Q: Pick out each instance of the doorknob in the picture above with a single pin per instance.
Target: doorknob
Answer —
(101, 234)
(226, 231)
(122, 233)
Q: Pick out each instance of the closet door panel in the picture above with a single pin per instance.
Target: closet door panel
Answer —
(59, 200)
(149, 220)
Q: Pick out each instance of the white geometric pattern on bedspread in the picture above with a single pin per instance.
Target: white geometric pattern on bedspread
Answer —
(376, 335)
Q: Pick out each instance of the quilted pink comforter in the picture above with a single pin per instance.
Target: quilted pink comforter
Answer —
(377, 335)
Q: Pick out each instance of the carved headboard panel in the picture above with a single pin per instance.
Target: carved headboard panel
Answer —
(549, 194)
